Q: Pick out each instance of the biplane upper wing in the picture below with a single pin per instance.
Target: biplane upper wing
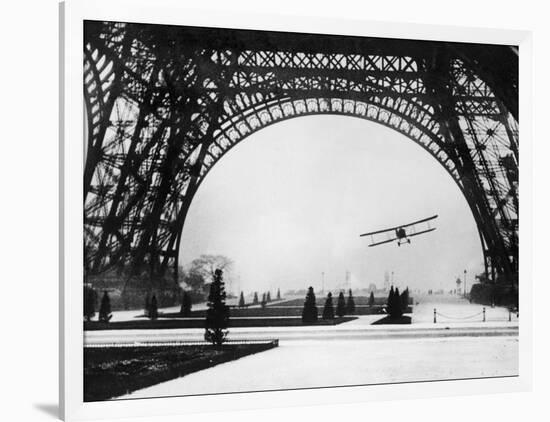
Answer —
(419, 221)
(421, 232)
(379, 231)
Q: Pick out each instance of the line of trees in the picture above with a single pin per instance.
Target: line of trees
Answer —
(343, 306)
(266, 298)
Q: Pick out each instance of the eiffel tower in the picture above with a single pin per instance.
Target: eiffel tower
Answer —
(164, 103)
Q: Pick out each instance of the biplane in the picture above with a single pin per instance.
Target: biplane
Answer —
(401, 233)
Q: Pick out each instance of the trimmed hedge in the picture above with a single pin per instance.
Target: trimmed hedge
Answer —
(200, 323)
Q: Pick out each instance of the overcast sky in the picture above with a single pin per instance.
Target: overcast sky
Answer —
(290, 201)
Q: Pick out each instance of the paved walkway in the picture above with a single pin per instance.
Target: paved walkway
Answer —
(456, 310)
(313, 363)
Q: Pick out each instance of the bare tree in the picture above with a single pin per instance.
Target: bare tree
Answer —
(202, 270)
(206, 265)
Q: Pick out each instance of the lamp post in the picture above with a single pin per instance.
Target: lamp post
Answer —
(323, 283)
(465, 284)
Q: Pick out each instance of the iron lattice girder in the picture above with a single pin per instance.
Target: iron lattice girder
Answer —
(164, 103)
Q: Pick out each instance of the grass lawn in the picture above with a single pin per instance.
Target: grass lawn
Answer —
(273, 311)
(359, 301)
(142, 324)
(114, 371)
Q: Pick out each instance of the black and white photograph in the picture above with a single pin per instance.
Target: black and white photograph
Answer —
(281, 211)
(275, 211)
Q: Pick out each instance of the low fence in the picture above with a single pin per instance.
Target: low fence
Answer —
(480, 316)
(267, 342)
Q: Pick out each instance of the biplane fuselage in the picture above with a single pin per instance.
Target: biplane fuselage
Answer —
(401, 235)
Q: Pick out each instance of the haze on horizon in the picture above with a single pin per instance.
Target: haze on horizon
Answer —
(289, 202)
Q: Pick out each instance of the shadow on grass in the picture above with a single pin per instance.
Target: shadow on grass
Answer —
(389, 320)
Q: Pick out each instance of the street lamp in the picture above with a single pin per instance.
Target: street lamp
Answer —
(465, 284)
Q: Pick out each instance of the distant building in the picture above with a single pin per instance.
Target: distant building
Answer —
(387, 281)
(458, 283)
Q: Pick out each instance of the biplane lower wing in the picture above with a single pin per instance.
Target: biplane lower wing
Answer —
(381, 243)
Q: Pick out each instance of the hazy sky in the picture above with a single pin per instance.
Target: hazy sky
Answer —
(290, 201)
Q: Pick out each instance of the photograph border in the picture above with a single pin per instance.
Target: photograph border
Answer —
(72, 15)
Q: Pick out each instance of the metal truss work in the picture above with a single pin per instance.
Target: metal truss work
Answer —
(165, 103)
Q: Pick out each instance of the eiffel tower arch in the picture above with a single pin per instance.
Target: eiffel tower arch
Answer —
(165, 103)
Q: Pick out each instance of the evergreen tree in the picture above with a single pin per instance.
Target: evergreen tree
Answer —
(154, 310)
(90, 301)
(255, 300)
(241, 301)
(217, 315)
(105, 308)
(350, 305)
(309, 313)
(147, 309)
(264, 301)
(395, 310)
(278, 294)
(328, 310)
(341, 305)
(186, 304)
(371, 299)
(268, 297)
(405, 300)
(390, 302)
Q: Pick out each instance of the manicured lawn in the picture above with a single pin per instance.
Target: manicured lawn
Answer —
(142, 324)
(114, 371)
(359, 301)
(275, 311)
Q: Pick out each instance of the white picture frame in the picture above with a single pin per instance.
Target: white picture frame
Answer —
(72, 15)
